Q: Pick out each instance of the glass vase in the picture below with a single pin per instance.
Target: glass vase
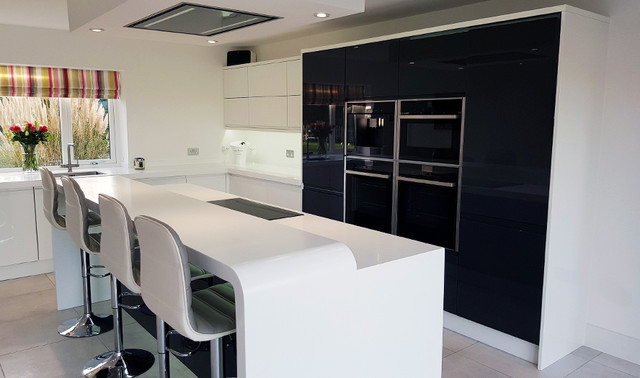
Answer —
(30, 161)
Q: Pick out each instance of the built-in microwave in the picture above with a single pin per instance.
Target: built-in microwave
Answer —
(431, 130)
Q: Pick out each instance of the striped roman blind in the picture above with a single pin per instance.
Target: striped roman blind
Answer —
(58, 82)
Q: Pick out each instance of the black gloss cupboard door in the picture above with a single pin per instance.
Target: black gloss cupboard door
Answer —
(500, 269)
(433, 64)
(511, 76)
(372, 70)
(323, 131)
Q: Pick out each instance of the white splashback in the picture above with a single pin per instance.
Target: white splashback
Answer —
(267, 147)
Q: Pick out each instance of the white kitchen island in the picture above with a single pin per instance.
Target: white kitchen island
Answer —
(314, 297)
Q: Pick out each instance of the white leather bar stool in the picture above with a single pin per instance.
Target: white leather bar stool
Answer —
(205, 315)
(117, 249)
(54, 203)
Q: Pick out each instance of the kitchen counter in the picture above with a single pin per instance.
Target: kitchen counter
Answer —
(16, 179)
(314, 297)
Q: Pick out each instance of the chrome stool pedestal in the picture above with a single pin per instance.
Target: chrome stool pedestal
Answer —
(119, 362)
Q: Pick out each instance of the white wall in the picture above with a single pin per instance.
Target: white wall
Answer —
(613, 294)
(172, 93)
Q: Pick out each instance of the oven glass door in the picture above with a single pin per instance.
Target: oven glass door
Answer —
(369, 194)
(428, 204)
(431, 140)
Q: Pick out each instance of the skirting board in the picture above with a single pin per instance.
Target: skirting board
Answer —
(613, 343)
(26, 269)
(499, 340)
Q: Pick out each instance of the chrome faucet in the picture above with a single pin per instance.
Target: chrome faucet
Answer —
(69, 165)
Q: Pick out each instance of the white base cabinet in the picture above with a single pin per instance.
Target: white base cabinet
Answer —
(18, 231)
(274, 193)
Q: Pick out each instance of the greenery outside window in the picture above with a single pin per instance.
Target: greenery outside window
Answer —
(87, 123)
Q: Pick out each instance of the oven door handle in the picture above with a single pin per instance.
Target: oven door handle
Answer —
(429, 116)
(427, 182)
(367, 174)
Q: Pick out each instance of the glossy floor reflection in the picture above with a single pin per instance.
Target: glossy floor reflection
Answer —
(31, 347)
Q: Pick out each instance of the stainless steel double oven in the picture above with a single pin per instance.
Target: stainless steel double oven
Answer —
(403, 161)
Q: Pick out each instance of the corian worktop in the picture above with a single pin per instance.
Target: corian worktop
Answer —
(369, 247)
(16, 179)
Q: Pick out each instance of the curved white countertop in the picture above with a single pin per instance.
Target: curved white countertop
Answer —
(301, 282)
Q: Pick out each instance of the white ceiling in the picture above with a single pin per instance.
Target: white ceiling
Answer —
(78, 16)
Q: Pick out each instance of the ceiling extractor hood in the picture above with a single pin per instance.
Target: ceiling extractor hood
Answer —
(194, 19)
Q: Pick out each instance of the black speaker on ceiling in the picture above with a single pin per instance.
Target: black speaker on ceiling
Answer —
(236, 57)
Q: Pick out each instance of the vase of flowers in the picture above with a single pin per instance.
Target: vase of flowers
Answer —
(29, 136)
(321, 132)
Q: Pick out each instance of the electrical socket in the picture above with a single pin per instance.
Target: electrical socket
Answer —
(290, 153)
(193, 151)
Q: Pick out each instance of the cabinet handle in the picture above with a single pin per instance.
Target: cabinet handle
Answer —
(367, 174)
(427, 182)
(430, 116)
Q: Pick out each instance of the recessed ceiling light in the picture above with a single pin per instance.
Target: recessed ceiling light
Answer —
(96, 30)
(321, 15)
(211, 41)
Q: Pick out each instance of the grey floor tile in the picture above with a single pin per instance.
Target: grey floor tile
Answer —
(594, 370)
(457, 366)
(29, 332)
(52, 278)
(455, 341)
(618, 364)
(517, 367)
(27, 305)
(20, 286)
(586, 353)
(446, 352)
(62, 359)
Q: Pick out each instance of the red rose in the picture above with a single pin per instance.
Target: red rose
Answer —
(15, 129)
(44, 129)
(32, 128)
(29, 124)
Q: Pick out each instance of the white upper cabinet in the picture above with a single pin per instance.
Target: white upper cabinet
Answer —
(268, 80)
(294, 113)
(235, 82)
(294, 77)
(236, 111)
(265, 95)
(268, 112)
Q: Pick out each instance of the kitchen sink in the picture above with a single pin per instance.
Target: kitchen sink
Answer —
(85, 173)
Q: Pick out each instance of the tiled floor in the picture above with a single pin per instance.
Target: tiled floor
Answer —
(31, 347)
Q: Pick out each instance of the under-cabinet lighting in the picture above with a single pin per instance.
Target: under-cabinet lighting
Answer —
(96, 30)
(211, 41)
(321, 15)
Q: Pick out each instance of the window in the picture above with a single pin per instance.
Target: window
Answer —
(87, 123)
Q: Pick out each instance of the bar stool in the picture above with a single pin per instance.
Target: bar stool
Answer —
(55, 211)
(205, 315)
(117, 254)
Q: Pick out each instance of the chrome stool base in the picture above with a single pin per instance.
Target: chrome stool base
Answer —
(128, 363)
(86, 326)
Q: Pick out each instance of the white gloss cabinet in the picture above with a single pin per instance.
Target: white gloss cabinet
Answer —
(236, 112)
(235, 82)
(273, 96)
(294, 113)
(268, 80)
(274, 193)
(268, 112)
(294, 78)
(18, 232)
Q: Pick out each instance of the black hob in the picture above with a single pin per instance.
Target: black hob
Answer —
(256, 209)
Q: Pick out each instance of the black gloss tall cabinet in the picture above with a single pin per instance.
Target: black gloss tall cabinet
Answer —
(533, 87)
(323, 74)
